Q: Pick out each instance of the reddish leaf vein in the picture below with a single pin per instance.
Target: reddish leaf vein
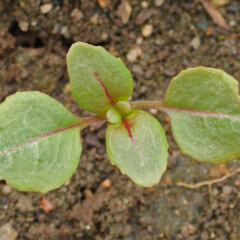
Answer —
(86, 122)
(104, 87)
(126, 125)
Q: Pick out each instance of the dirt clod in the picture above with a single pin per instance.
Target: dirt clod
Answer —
(7, 232)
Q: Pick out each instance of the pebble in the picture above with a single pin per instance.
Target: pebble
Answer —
(134, 53)
(7, 232)
(88, 193)
(218, 170)
(23, 26)
(162, 55)
(153, 111)
(104, 36)
(227, 189)
(204, 235)
(144, 4)
(65, 32)
(124, 11)
(6, 190)
(195, 43)
(67, 183)
(187, 230)
(137, 69)
(57, 28)
(46, 205)
(104, 3)
(34, 23)
(213, 235)
(143, 16)
(219, 3)
(24, 204)
(143, 89)
(159, 42)
(233, 23)
(46, 8)
(147, 30)
(170, 72)
(139, 40)
(106, 183)
(77, 14)
(23, 72)
(168, 181)
(94, 19)
(148, 74)
(158, 3)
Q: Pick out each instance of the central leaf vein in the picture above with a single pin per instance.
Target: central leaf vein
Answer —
(104, 88)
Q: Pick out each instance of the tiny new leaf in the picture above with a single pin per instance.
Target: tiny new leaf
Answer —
(97, 79)
(138, 147)
(39, 151)
(204, 107)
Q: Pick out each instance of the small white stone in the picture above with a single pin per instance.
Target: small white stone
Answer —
(104, 36)
(153, 111)
(76, 13)
(219, 3)
(134, 53)
(144, 4)
(213, 235)
(195, 43)
(94, 19)
(139, 40)
(7, 232)
(147, 30)
(233, 23)
(23, 26)
(6, 190)
(88, 227)
(159, 3)
(34, 23)
(65, 32)
(46, 8)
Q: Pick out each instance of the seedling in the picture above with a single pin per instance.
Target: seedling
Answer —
(40, 142)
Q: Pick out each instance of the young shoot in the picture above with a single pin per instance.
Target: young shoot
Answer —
(40, 144)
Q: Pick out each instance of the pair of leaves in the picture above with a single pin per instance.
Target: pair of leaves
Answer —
(39, 139)
(99, 81)
(40, 143)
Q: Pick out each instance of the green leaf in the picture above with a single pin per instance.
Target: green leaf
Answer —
(97, 79)
(204, 108)
(38, 149)
(138, 147)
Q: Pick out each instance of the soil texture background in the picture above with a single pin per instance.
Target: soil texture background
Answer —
(156, 39)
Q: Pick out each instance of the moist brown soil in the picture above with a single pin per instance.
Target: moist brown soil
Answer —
(33, 46)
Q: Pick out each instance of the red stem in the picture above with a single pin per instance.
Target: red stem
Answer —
(84, 123)
(161, 106)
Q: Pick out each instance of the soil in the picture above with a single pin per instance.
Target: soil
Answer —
(99, 203)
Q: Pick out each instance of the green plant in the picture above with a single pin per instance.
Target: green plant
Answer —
(40, 143)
